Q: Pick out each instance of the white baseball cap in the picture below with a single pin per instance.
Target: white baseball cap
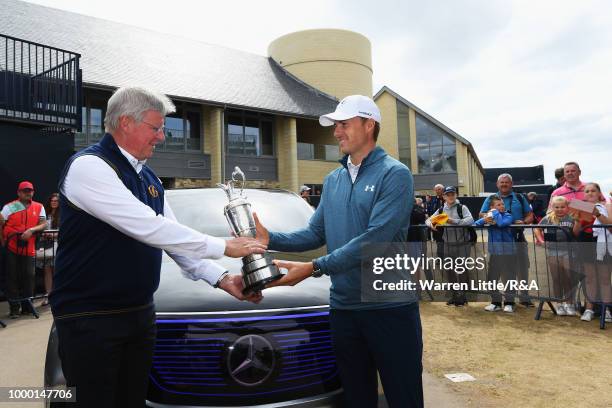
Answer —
(350, 107)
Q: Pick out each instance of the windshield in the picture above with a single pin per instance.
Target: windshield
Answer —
(202, 209)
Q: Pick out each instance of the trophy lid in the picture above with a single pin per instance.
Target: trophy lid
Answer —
(228, 187)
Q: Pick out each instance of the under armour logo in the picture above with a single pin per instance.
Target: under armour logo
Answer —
(369, 188)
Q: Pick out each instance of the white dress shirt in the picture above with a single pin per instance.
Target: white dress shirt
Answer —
(93, 186)
(353, 169)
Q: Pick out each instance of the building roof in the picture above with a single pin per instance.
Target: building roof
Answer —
(115, 54)
(432, 119)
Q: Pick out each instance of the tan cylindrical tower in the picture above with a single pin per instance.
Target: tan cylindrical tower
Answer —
(337, 62)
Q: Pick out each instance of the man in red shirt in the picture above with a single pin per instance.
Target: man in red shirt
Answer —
(20, 220)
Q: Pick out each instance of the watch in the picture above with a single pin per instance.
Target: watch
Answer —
(316, 269)
(223, 275)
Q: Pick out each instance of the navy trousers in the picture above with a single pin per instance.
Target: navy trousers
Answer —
(108, 357)
(387, 341)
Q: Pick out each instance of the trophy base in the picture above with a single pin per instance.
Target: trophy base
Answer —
(260, 285)
(258, 272)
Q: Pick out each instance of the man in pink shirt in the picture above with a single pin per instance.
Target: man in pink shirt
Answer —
(573, 188)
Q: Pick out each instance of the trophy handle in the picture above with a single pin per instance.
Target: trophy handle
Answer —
(227, 189)
(239, 173)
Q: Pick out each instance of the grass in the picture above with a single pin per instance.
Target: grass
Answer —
(516, 360)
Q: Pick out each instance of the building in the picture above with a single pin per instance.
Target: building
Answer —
(236, 108)
(521, 176)
(433, 152)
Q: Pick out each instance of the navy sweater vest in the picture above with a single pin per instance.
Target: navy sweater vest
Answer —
(99, 269)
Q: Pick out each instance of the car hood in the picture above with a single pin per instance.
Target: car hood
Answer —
(178, 294)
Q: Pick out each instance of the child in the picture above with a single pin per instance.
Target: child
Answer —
(596, 253)
(557, 252)
(502, 255)
(456, 241)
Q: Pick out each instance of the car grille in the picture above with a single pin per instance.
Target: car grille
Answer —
(243, 359)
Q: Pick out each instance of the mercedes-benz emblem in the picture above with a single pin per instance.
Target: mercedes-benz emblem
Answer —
(250, 360)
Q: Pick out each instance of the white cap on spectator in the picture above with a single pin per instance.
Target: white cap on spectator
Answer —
(350, 107)
(304, 188)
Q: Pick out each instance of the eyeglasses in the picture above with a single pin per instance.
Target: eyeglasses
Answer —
(155, 128)
(26, 190)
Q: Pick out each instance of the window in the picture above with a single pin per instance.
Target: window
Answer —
(183, 129)
(92, 123)
(310, 151)
(436, 149)
(249, 134)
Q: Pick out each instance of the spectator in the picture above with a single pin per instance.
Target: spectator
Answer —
(502, 257)
(417, 219)
(305, 194)
(437, 202)
(20, 220)
(517, 205)
(427, 203)
(537, 206)
(560, 180)
(417, 234)
(557, 253)
(573, 188)
(48, 243)
(456, 241)
(596, 256)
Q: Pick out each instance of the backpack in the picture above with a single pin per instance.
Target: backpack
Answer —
(471, 230)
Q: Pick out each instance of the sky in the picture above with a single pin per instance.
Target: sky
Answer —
(526, 82)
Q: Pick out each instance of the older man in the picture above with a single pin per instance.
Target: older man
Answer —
(437, 201)
(115, 223)
(368, 200)
(20, 220)
(517, 205)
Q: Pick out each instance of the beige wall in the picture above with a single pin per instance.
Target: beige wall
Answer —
(338, 62)
(213, 129)
(286, 153)
(414, 159)
(462, 168)
(314, 171)
(387, 137)
(471, 178)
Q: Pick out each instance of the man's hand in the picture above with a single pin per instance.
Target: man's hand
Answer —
(233, 285)
(296, 272)
(26, 235)
(263, 235)
(243, 246)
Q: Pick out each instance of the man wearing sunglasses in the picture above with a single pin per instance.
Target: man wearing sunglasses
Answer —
(20, 220)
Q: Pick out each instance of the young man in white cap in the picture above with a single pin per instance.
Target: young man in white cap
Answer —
(368, 200)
